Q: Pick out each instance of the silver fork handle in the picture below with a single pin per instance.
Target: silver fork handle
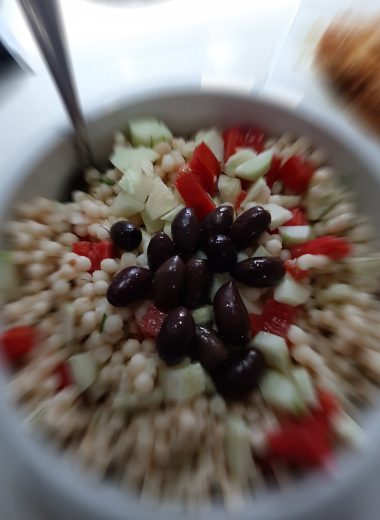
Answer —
(45, 22)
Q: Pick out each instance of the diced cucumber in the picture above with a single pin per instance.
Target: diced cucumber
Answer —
(238, 447)
(229, 188)
(134, 403)
(255, 167)
(152, 226)
(278, 214)
(291, 292)
(136, 184)
(274, 348)
(261, 251)
(68, 323)
(242, 256)
(255, 190)
(168, 229)
(305, 386)
(280, 392)
(292, 235)
(214, 141)
(237, 159)
(348, 431)
(125, 205)
(139, 159)
(170, 215)
(217, 282)
(161, 200)
(182, 384)
(83, 370)
(148, 131)
(203, 315)
(9, 280)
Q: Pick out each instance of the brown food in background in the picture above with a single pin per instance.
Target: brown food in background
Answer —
(349, 56)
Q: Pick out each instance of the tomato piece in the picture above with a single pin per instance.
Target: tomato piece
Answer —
(328, 404)
(101, 250)
(295, 272)
(242, 137)
(298, 218)
(277, 317)
(273, 174)
(150, 323)
(304, 442)
(17, 342)
(83, 248)
(205, 165)
(239, 199)
(296, 173)
(194, 195)
(333, 247)
(63, 374)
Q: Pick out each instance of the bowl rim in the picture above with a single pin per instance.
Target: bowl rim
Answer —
(108, 500)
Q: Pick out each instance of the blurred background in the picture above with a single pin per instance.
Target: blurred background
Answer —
(119, 47)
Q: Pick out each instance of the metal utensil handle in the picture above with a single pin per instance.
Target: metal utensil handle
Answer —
(45, 22)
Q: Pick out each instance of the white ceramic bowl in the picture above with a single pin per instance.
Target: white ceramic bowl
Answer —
(50, 479)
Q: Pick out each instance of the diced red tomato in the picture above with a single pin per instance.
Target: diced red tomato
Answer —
(303, 442)
(296, 173)
(295, 272)
(328, 404)
(239, 199)
(276, 318)
(17, 342)
(63, 375)
(273, 174)
(150, 323)
(298, 218)
(206, 166)
(83, 248)
(333, 247)
(194, 195)
(242, 137)
(95, 251)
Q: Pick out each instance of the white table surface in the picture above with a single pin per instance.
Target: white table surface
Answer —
(244, 45)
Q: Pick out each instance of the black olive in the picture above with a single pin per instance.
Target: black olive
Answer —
(207, 348)
(175, 335)
(198, 280)
(129, 285)
(169, 283)
(236, 377)
(186, 232)
(125, 235)
(260, 271)
(231, 315)
(249, 226)
(221, 254)
(218, 222)
(160, 249)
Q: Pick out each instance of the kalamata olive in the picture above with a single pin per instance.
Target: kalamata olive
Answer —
(260, 271)
(169, 283)
(160, 249)
(221, 253)
(186, 231)
(125, 235)
(198, 280)
(231, 315)
(236, 377)
(175, 335)
(249, 225)
(129, 285)
(218, 222)
(207, 348)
